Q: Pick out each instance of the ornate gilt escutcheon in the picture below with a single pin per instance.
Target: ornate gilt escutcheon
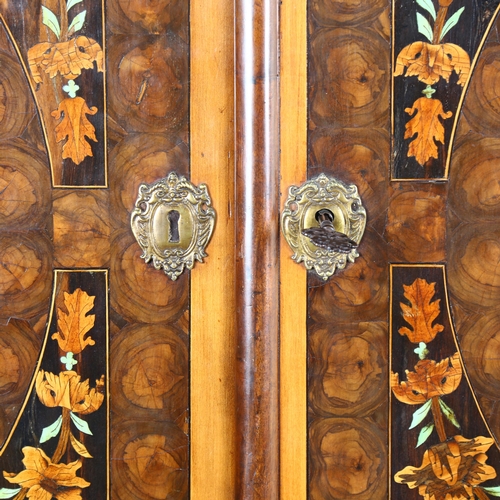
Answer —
(173, 222)
(323, 222)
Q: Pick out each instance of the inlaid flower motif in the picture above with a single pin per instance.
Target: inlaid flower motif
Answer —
(428, 380)
(46, 480)
(66, 58)
(66, 390)
(450, 470)
(429, 62)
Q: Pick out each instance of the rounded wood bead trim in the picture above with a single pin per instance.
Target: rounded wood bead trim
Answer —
(348, 459)
(348, 369)
(140, 292)
(150, 374)
(349, 78)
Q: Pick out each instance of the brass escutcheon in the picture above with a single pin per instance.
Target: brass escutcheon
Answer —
(173, 222)
(323, 222)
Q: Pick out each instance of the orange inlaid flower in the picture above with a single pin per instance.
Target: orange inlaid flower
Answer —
(428, 380)
(450, 470)
(67, 391)
(430, 62)
(45, 480)
(66, 58)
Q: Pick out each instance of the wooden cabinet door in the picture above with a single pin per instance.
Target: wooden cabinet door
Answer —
(117, 382)
(400, 344)
(249, 377)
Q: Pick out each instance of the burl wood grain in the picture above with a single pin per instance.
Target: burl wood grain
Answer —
(416, 222)
(148, 58)
(257, 266)
(26, 250)
(24, 18)
(348, 138)
(349, 84)
(472, 244)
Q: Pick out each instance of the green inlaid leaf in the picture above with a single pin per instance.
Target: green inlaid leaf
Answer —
(494, 490)
(80, 424)
(8, 492)
(451, 22)
(425, 432)
(420, 414)
(449, 413)
(72, 3)
(424, 28)
(77, 22)
(428, 6)
(50, 20)
(52, 430)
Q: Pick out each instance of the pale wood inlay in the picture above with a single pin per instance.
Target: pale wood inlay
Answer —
(293, 300)
(213, 332)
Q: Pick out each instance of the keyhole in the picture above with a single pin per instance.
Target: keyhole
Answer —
(173, 226)
(323, 215)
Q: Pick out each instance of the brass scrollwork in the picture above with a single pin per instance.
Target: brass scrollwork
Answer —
(173, 222)
(323, 222)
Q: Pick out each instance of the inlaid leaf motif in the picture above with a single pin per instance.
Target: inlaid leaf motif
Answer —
(52, 430)
(424, 28)
(72, 3)
(77, 23)
(74, 324)
(420, 414)
(79, 447)
(75, 128)
(427, 127)
(452, 21)
(80, 424)
(8, 492)
(424, 434)
(428, 6)
(50, 20)
(429, 62)
(422, 312)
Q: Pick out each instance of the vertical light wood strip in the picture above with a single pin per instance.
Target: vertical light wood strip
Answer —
(293, 301)
(213, 339)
